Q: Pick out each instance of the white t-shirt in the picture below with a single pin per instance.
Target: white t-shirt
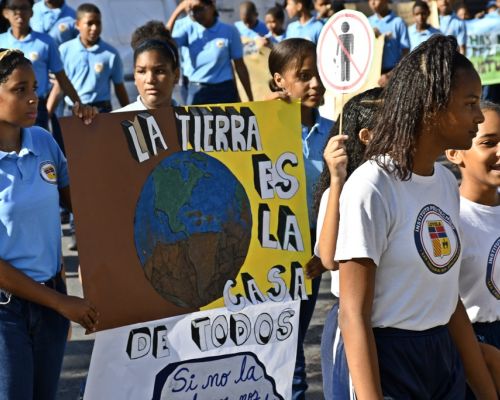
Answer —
(137, 105)
(409, 229)
(480, 270)
(321, 218)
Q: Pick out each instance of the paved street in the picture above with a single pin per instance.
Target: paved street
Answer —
(79, 349)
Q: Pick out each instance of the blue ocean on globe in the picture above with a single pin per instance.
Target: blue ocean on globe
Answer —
(188, 193)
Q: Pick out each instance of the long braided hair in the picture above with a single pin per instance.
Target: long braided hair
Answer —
(418, 91)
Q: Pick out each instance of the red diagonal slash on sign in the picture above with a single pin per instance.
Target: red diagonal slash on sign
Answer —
(348, 55)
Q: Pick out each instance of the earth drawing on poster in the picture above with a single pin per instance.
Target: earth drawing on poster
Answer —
(192, 228)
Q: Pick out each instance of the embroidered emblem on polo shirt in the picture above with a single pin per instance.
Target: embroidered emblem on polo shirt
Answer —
(219, 43)
(33, 56)
(436, 239)
(48, 172)
(492, 270)
(63, 27)
(98, 67)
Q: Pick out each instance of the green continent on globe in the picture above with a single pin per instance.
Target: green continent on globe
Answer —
(169, 181)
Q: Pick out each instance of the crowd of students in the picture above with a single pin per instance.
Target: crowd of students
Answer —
(423, 264)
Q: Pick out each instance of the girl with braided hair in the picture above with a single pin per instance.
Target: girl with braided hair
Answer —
(403, 332)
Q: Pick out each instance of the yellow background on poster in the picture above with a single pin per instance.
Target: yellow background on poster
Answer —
(279, 126)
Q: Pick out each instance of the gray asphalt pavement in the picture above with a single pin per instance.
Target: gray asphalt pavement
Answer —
(79, 349)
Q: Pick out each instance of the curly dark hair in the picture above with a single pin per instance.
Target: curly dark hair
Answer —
(358, 113)
(418, 91)
(155, 36)
(486, 105)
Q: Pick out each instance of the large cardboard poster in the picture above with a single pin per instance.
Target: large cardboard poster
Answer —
(213, 354)
(182, 209)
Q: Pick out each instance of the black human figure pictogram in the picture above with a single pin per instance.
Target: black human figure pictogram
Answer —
(347, 41)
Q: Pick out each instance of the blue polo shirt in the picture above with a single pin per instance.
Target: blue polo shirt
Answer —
(310, 30)
(210, 50)
(58, 23)
(417, 37)
(30, 234)
(275, 39)
(396, 42)
(259, 30)
(454, 26)
(313, 144)
(92, 69)
(41, 49)
(185, 63)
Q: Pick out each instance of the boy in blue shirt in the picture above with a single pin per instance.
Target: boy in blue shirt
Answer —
(449, 24)
(250, 26)
(420, 31)
(41, 49)
(397, 43)
(306, 26)
(91, 63)
(55, 18)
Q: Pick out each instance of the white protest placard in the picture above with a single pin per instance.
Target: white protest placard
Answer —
(345, 51)
(208, 355)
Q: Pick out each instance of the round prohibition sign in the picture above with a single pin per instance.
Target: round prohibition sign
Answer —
(345, 51)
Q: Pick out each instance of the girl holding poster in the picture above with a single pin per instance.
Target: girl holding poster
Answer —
(156, 67)
(34, 307)
(404, 333)
(292, 64)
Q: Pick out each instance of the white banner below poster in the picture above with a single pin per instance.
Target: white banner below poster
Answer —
(208, 355)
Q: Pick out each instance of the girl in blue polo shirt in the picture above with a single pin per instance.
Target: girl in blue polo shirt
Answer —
(404, 333)
(292, 64)
(34, 307)
(212, 45)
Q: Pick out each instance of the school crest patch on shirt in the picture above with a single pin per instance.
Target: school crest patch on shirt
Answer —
(439, 238)
(63, 27)
(436, 239)
(33, 56)
(493, 263)
(98, 67)
(48, 172)
(219, 43)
